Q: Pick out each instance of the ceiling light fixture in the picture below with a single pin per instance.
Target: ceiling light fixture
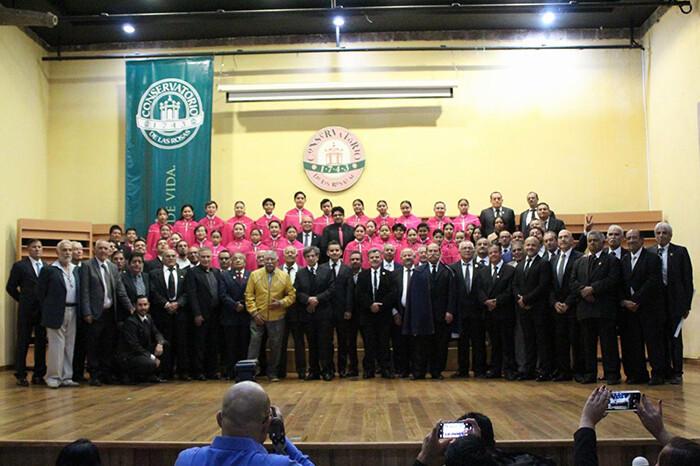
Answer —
(129, 29)
(338, 21)
(548, 18)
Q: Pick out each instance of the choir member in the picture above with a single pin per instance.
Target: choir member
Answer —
(210, 220)
(201, 237)
(359, 218)
(359, 244)
(464, 218)
(290, 239)
(216, 247)
(383, 218)
(407, 218)
(440, 220)
(371, 230)
(294, 216)
(238, 217)
(399, 239)
(238, 242)
(274, 238)
(423, 231)
(325, 218)
(256, 245)
(449, 248)
(262, 223)
(382, 237)
(154, 230)
(186, 225)
(411, 240)
(462, 236)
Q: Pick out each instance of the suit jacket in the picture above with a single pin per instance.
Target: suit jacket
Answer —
(500, 289)
(563, 293)
(22, 285)
(487, 217)
(343, 291)
(129, 281)
(523, 221)
(139, 338)
(330, 233)
(158, 287)
(555, 225)
(202, 299)
(466, 304)
(315, 239)
(603, 274)
(623, 252)
(441, 290)
(386, 294)
(321, 286)
(231, 294)
(418, 313)
(260, 290)
(680, 279)
(643, 284)
(51, 290)
(152, 265)
(533, 285)
(92, 292)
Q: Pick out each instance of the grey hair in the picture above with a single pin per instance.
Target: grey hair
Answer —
(310, 249)
(665, 226)
(63, 243)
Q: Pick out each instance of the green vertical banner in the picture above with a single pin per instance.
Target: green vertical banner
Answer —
(168, 137)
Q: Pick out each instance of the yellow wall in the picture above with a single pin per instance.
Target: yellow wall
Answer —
(25, 113)
(673, 99)
(518, 121)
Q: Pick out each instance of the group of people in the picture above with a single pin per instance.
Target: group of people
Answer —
(195, 298)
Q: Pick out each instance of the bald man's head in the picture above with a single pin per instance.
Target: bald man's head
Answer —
(245, 411)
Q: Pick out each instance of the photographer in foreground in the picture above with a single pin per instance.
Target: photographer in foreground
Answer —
(677, 451)
(246, 418)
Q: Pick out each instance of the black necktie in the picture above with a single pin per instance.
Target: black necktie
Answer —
(335, 272)
(467, 281)
(289, 270)
(172, 294)
(434, 271)
(312, 276)
(591, 263)
(560, 269)
(495, 273)
(527, 265)
(375, 285)
(498, 213)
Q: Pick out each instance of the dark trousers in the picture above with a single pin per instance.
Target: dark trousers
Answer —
(632, 345)
(206, 347)
(167, 324)
(472, 334)
(538, 332)
(567, 343)
(102, 338)
(80, 348)
(27, 321)
(237, 339)
(673, 360)
(437, 348)
(346, 334)
(376, 332)
(142, 366)
(320, 334)
(400, 348)
(419, 347)
(502, 333)
(296, 329)
(182, 349)
(605, 329)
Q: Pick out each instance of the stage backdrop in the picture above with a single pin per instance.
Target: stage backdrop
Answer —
(168, 137)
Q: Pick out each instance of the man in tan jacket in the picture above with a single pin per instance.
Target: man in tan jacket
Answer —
(268, 295)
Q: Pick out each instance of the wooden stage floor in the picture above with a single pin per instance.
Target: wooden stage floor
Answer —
(350, 410)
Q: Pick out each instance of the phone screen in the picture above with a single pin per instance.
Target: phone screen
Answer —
(454, 429)
(625, 400)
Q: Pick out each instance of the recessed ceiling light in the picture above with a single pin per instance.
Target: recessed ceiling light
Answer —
(129, 29)
(338, 21)
(548, 18)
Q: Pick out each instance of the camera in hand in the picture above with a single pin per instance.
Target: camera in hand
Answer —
(454, 429)
(624, 400)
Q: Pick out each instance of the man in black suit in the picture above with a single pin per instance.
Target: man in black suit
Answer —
(642, 313)
(441, 303)
(530, 214)
(549, 223)
(135, 281)
(294, 322)
(344, 319)
(21, 285)
(315, 288)
(567, 335)
(58, 291)
(496, 210)
(551, 245)
(375, 295)
(531, 293)
(595, 281)
(469, 313)
(677, 275)
(235, 319)
(614, 238)
(400, 342)
(389, 253)
(339, 231)
(202, 288)
(102, 297)
(141, 346)
(168, 298)
(494, 291)
(306, 236)
(157, 263)
(116, 235)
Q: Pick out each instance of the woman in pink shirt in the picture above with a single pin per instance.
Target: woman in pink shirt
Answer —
(186, 225)
(464, 218)
(262, 223)
(238, 242)
(210, 220)
(440, 220)
(294, 216)
(165, 233)
(449, 247)
(200, 237)
(255, 246)
(359, 218)
(272, 242)
(411, 240)
(371, 230)
(290, 239)
(238, 217)
(154, 230)
(399, 239)
(216, 248)
(325, 218)
(383, 218)
(407, 218)
(359, 244)
(382, 237)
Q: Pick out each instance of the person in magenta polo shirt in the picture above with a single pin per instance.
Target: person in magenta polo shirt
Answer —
(186, 225)
(294, 216)
(238, 217)
(262, 223)
(464, 218)
(383, 218)
(440, 220)
(359, 218)
(407, 218)
(325, 218)
(210, 220)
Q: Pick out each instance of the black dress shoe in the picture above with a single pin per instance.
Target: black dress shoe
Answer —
(368, 375)
(38, 381)
(526, 376)
(214, 376)
(511, 376)
(586, 379)
(460, 375)
(312, 376)
(156, 379)
(327, 377)
(493, 375)
(126, 380)
(676, 380)
(95, 382)
(656, 381)
(342, 374)
(185, 377)
(437, 376)
(562, 378)
(387, 375)
(353, 373)
(301, 375)
(200, 377)
(403, 375)
(22, 383)
(614, 381)
(417, 376)
(543, 378)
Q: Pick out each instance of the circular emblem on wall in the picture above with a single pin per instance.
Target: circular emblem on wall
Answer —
(334, 159)
(170, 113)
